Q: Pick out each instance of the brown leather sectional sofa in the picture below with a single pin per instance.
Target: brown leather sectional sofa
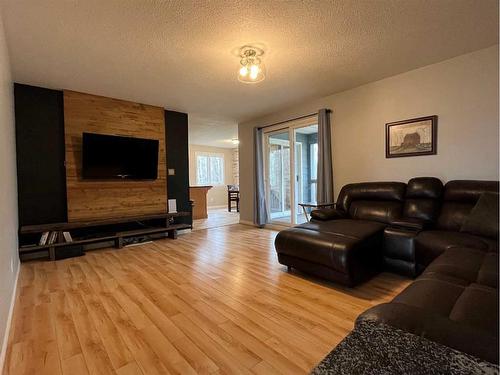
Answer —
(448, 234)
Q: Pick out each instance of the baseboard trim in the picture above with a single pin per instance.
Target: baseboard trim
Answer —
(217, 206)
(247, 222)
(5, 342)
(277, 227)
(266, 226)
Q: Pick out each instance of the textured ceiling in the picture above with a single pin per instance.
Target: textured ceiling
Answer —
(212, 131)
(180, 54)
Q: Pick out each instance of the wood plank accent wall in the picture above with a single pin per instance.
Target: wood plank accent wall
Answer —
(92, 200)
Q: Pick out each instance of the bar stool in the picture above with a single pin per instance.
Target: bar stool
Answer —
(233, 195)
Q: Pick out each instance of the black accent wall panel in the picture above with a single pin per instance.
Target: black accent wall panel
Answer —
(176, 131)
(41, 174)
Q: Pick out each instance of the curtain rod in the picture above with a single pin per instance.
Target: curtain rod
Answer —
(292, 119)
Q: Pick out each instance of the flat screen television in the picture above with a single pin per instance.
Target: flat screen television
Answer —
(107, 157)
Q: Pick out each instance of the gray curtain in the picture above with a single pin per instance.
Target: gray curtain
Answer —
(325, 165)
(260, 210)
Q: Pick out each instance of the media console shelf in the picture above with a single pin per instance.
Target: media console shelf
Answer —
(117, 236)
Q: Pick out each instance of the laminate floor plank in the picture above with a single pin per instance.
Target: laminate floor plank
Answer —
(213, 301)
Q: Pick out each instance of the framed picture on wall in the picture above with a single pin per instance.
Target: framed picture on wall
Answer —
(413, 137)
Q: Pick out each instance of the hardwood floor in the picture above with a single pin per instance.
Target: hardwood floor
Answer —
(217, 217)
(212, 301)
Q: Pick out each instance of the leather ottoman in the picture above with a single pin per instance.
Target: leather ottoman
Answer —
(345, 251)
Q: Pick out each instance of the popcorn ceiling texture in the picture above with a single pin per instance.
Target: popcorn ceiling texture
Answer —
(180, 54)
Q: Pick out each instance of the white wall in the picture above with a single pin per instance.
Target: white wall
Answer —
(217, 196)
(462, 91)
(9, 261)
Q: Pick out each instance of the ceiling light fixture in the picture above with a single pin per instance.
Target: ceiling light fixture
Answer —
(235, 141)
(252, 69)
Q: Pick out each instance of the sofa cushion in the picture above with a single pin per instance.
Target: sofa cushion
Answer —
(454, 302)
(421, 208)
(483, 219)
(422, 198)
(432, 243)
(327, 214)
(464, 266)
(384, 212)
(370, 191)
(460, 196)
(424, 187)
(473, 305)
(488, 273)
(477, 306)
(468, 190)
(453, 215)
(432, 295)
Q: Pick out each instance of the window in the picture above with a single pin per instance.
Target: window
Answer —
(209, 169)
(314, 161)
(314, 171)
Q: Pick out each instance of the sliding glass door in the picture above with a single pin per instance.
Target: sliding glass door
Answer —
(291, 157)
(306, 168)
(278, 177)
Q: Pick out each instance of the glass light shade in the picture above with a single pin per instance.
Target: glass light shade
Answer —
(257, 73)
(254, 70)
(243, 71)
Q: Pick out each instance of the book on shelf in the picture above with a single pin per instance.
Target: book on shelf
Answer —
(49, 238)
(67, 237)
(52, 238)
(44, 238)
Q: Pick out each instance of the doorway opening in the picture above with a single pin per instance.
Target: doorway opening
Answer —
(213, 172)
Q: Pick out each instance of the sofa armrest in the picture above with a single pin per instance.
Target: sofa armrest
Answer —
(410, 223)
(325, 214)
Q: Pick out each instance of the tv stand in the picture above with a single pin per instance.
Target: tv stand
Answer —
(161, 224)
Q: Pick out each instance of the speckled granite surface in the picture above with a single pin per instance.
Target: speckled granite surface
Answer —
(378, 349)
